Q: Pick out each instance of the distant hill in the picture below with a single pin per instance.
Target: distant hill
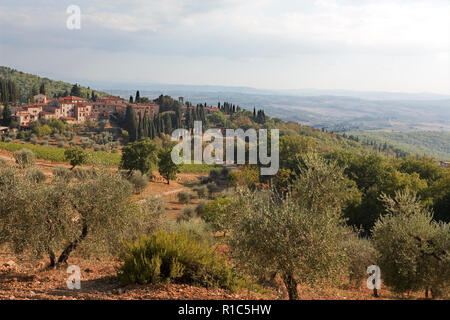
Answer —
(26, 81)
(336, 113)
(430, 143)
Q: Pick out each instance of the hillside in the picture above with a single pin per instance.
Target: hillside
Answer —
(26, 81)
(430, 143)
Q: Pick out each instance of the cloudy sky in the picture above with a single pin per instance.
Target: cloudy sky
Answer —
(376, 45)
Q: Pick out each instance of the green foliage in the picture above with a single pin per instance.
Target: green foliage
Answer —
(321, 185)
(76, 156)
(413, 250)
(41, 131)
(139, 181)
(174, 257)
(218, 118)
(25, 82)
(185, 197)
(220, 212)
(202, 191)
(57, 155)
(24, 158)
(166, 167)
(63, 173)
(246, 176)
(374, 175)
(186, 214)
(441, 208)
(200, 209)
(272, 235)
(84, 173)
(361, 254)
(36, 175)
(432, 143)
(56, 217)
(140, 155)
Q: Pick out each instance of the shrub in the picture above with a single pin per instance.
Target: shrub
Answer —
(176, 257)
(33, 139)
(72, 143)
(61, 144)
(198, 229)
(36, 175)
(12, 135)
(24, 158)
(62, 173)
(202, 191)
(201, 207)
(152, 217)
(86, 143)
(184, 197)
(139, 181)
(212, 188)
(84, 173)
(214, 174)
(224, 172)
(21, 135)
(246, 176)
(186, 214)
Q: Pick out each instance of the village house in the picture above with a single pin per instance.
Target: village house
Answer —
(152, 109)
(78, 110)
(40, 98)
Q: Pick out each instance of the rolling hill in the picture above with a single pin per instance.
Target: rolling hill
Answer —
(26, 81)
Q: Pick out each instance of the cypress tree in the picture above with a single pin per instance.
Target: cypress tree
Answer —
(6, 113)
(138, 97)
(131, 123)
(145, 123)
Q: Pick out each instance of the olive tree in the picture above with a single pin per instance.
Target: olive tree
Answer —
(24, 158)
(56, 218)
(141, 155)
(279, 236)
(413, 250)
(76, 156)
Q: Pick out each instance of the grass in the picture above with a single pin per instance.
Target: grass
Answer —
(95, 157)
(57, 154)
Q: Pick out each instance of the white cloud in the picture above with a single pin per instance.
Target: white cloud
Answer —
(303, 39)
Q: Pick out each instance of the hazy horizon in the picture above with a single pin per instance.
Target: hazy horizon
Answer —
(372, 46)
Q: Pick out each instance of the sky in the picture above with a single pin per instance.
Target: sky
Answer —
(367, 45)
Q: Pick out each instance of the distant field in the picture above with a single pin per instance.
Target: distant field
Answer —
(57, 154)
(431, 143)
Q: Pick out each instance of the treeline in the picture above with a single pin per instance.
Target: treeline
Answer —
(430, 143)
(378, 146)
(9, 92)
(28, 84)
